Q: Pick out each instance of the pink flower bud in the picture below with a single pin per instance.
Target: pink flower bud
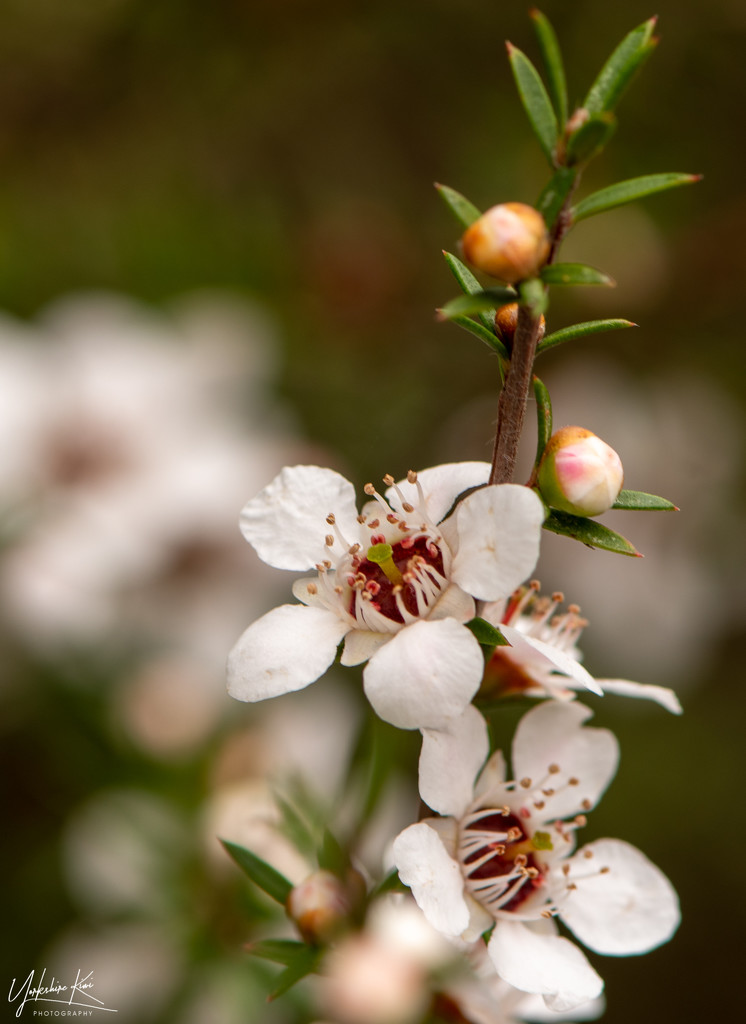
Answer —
(320, 906)
(509, 242)
(579, 473)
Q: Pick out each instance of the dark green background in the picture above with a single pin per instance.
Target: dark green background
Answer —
(287, 150)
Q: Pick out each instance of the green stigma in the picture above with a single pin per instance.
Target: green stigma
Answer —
(542, 841)
(383, 555)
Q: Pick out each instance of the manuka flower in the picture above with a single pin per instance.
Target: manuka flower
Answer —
(543, 658)
(504, 853)
(396, 583)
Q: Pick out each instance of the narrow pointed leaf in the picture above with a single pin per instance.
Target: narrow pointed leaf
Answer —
(574, 273)
(332, 857)
(486, 634)
(481, 332)
(303, 966)
(628, 191)
(583, 330)
(556, 191)
(470, 285)
(543, 417)
(590, 138)
(295, 826)
(552, 57)
(639, 500)
(616, 73)
(465, 212)
(261, 873)
(391, 883)
(589, 532)
(487, 299)
(279, 951)
(535, 101)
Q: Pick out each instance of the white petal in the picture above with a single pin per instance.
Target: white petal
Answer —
(631, 908)
(427, 674)
(286, 522)
(454, 604)
(553, 733)
(285, 650)
(361, 645)
(449, 761)
(529, 651)
(492, 778)
(660, 694)
(434, 878)
(441, 486)
(499, 530)
(543, 964)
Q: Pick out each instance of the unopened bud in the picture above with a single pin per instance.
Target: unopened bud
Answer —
(509, 242)
(579, 473)
(506, 321)
(320, 906)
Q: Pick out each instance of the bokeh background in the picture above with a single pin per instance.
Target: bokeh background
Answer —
(220, 252)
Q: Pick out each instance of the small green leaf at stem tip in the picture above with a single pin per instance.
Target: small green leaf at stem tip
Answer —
(533, 294)
(552, 57)
(616, 73)
(261, 873)
(553, 196)
(543, 417)
(574, 273)
(488, 299)
(280, 951)
(468, 284)
(590, 138)
(481, 332)
(640, 501)
(535, 101)
(584, 330)
(628, 191)
(465, 212)
(485, 633)
(302, 966)
(589, 532)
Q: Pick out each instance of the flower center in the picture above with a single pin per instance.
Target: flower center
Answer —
(400, 580)
(498, 859)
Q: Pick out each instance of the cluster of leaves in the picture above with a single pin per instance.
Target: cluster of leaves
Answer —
(569, 142)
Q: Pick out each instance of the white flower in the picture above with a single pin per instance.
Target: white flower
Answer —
(543, 658)
(504, 853)
(396, 583)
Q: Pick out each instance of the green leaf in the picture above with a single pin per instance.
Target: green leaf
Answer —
(295, 826)
(552, 57)
(628, 191)
(639, 500)
(555, 192)
(279, 951)
(486, 634)
(481, 332)
(261, 873)
(615, 75)
(332, 857)
(589, 532)
(466, 213)
(574, 273)
(292, 974)
(479, 302)
(583, 330)
(543, 416)
(534, 295)
(469, 284)
(391, 883)
(590, 138)
(535, 101)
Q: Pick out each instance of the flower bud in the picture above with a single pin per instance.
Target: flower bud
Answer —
(579, 473)
(320, 906)
(509, 242)
(506, 321)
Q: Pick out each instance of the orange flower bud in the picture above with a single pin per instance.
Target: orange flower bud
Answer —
(579, 473)
(506, 321)
(320, 906)
(509, 242)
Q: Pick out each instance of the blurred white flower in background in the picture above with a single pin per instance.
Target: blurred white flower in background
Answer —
(135, 437)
